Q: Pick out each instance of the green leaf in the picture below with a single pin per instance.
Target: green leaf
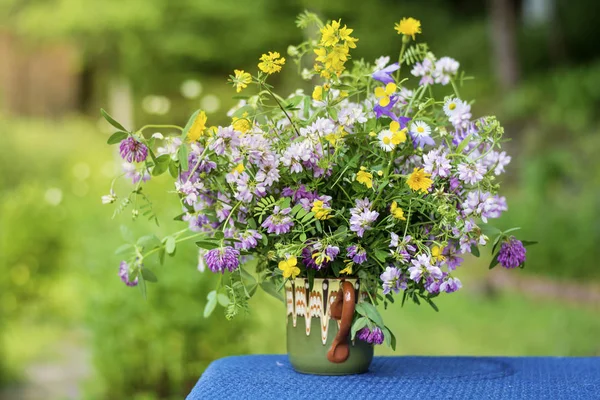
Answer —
(475, 250)
(111, 120)
(124, 249)
(161, 255)
(170, 244)
(223, 299)
(126, 234)
(245, 109)
(302, 237)
(358, 324)
(464, 143)
(149, 275)
(528, 242)
(182, 154)
(511, 230)
(173, 169)
(148, 242)
(211, 304)
(270, 288)
(381, 255)
(219, 235)
(203, 244)
(189, 124)
(489, 230)
(307, 217)
(117, 137)
(368, 310)
(142, 285)
(392, 338)
(162, 164)
(332, 113)
(431, 303)
(494, 261)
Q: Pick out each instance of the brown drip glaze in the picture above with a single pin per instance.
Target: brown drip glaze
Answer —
(342, 309)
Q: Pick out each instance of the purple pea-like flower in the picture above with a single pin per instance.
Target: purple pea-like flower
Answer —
(450, 285)
(124, 274)
(385, 75)
(279, 222)
(223, 258)
(133, 151)
(357, 254)
(374, 336)
(512, 253)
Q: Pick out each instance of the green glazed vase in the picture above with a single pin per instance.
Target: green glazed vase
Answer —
(311, 330)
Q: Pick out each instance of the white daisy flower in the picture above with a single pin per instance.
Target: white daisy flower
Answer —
(385, 140)
(451, 105)
(420, 132)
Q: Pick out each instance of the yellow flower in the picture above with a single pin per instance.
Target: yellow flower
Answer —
(436, 253)
(419, 180)
(271, 63)
(397, 212)
(372, 134)
(383, 94)
(408, 27)
(198, 127)
(364, 177)
(317, 94)
(241, 124)
(321, 210)
(331, 34)
(398, 136)
(347, 270)
(289, 267)
(239, 168)
(240, 80)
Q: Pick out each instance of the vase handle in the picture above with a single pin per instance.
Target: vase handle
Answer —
(342, 308)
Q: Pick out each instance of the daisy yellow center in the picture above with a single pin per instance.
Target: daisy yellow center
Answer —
(386, 140)
(420, 129)
(452, 106)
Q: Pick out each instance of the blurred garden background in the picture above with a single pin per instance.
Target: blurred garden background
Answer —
(70, 329)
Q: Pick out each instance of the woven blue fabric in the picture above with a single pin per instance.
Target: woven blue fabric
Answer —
(272, 377)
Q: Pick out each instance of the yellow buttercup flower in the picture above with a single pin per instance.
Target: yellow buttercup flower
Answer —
(347, 270)
(241, 124)
(198, 127)
(397, 212)
(332, 34)
(271, 63)
(364, 177)
(408, 27)
(289, 268)
(398, 135)
(239, 168)
(321, 210)
(317, 93)
(240, 80)
(383, 94)
(436, 253)
(419, 180)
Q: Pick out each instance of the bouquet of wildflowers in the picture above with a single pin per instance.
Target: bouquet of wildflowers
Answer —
(380, 172)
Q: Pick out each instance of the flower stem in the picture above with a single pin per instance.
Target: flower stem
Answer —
(283, 109)
(160, 127)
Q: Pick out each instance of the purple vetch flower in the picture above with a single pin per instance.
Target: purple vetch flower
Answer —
(497, 160)
(356, 253)
(134, 174)
(392, 280)
(450, 285)
(189, 191)
(471, 172)
(279, 221)
(484, 205)
(124, 274)
(332, 252)
(452, 259)
(248, 188)
(248, 240)
(432, 285)
(384, 75)
(425, 70)
(131, 150)
(436, 163)
(307, 258)
(360, 223)
(512, 253)
(222, 258)
(403, 250)
(445, 69)
(226, 139)
(374, 336)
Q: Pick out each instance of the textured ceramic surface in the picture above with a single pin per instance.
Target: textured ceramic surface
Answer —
(311, 330)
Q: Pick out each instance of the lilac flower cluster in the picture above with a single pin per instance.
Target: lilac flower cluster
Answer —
(361, 217)
(374, 336)
(512, 253)
(132, 150)
(222, 258)
(124, 274)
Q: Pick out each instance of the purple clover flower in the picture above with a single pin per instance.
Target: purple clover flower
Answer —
(357, 254)
(248, 240)
(279, 222)
(512, 253)
(223, 258)
(450, 285)
(361, 217)
(131, 150)
(374, 336)
(124, 274)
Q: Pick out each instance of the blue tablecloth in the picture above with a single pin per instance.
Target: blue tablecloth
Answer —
(272, 377)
